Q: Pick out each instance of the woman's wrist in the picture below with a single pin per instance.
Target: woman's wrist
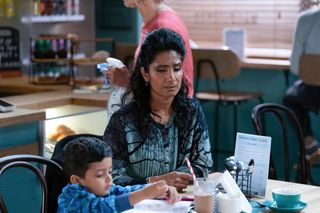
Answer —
(152, 179)
(147, 180)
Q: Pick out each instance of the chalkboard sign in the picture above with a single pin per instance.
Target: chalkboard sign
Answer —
(9, 49)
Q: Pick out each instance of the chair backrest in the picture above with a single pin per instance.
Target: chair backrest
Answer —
(125, 53)
(309, 69)
(30, 162)
(55, 186)
(215, 64)
(286, 119)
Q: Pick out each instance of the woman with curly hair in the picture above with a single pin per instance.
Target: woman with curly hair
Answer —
(151, 136)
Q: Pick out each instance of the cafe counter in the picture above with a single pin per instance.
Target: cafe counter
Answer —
(23, 130)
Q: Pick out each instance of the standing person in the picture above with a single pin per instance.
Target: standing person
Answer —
(88, 164)
(152, 135)
(300, 97)
(156, 14)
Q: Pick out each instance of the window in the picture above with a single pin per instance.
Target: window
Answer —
(267, 23)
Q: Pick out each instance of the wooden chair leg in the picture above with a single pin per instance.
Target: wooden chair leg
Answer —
(216, 138)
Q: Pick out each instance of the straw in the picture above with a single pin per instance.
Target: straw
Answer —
(191, 171)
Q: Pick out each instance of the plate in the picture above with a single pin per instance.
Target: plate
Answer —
(273, 205)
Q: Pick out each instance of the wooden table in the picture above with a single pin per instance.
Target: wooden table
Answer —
(309, 194)
(277, 64)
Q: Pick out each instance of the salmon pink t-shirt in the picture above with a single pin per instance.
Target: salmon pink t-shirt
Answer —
(170, 19)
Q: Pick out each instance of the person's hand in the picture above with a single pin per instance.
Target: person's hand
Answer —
(118, 76)
(156, 189)
(153, 190)
(172, 195)
(180, 180)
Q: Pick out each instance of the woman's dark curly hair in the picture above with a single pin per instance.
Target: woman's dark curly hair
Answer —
(156, 42)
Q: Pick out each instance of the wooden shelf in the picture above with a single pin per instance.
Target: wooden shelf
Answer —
(88, 61)
(49, 19)
(50, 60)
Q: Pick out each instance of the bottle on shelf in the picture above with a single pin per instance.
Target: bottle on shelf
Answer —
(76, 7)
(69, 7)
(1, 8)
(9, 10)
(36, 5)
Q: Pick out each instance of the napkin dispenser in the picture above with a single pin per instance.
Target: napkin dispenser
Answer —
(233, 190)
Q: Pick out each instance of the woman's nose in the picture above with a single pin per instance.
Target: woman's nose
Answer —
(171, 76)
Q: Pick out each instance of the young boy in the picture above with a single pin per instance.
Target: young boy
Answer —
(88, 163)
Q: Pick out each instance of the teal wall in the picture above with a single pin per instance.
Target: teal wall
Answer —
(113, 19)
(272, 84)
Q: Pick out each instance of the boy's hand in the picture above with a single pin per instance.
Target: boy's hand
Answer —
(155, 190)
(173, 195)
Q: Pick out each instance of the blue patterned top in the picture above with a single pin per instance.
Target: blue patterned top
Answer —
(164, 148)
(76, 198)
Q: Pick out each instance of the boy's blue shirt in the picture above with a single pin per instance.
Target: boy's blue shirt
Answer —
(76, 198)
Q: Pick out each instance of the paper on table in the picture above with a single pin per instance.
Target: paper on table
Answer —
(160, 206)
(255, 147)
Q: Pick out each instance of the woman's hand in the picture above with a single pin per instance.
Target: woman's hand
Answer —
(118, 76)
(180, 180)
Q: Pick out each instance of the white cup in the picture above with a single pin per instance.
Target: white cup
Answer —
(228, 204)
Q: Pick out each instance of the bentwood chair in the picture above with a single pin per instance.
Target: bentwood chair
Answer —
(26, 163)
(218, 65)
(288, 151)
(54, 185)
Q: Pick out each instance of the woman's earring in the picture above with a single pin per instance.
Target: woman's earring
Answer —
(147, 83)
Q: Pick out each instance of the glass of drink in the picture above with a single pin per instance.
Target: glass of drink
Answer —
(204, 195)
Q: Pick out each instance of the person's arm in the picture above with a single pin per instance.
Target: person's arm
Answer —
(75, 198)
(300, 35)
(200, 156)
(117, 200)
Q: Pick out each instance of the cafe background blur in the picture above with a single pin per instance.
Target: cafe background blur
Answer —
(125, 28)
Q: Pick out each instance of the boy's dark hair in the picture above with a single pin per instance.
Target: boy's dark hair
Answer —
(80, 152)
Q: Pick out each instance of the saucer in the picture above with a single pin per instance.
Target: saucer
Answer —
(273, 205)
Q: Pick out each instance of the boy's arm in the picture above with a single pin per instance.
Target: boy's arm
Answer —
(76, 199)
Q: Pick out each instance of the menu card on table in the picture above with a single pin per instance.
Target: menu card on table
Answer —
(255, 148)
